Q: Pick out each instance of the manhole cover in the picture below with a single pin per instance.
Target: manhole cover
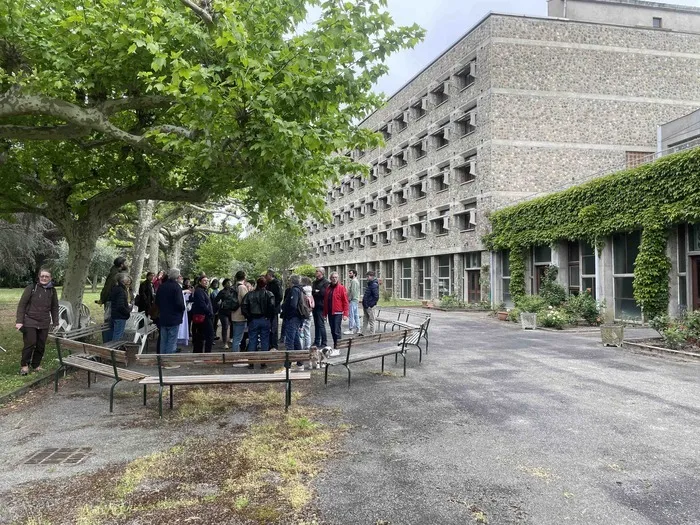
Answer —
(58, 456)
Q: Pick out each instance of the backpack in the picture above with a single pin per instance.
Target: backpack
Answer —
(230, 301)
(303, 307)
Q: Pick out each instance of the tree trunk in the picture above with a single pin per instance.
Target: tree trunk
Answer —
(154, 250)
(95, 280)
(141, 235)
(81, 245)
(176, 252)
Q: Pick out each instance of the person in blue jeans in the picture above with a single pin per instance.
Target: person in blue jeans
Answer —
(238, 320)
(259, 308)
(120, 299)
(292, 317)
(171, 305)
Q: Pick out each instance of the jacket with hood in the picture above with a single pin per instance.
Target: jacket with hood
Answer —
(38, 306)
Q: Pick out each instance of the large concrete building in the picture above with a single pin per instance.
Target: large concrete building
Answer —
(520, 105)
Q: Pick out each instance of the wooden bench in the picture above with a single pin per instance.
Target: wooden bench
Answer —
(225, 358)
(407, 319)
(369, 347)
(85, 356)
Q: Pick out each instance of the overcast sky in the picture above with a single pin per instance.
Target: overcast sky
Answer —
(445, 21)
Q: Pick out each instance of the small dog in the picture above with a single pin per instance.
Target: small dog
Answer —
(316, 357)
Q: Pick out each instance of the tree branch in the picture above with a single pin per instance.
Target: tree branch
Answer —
(221, 211)
(111, 107)
(201, 13)
(60, 132)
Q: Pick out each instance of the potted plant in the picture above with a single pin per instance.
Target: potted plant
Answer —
(501, 312)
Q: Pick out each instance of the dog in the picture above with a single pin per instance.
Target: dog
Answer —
(317, 357)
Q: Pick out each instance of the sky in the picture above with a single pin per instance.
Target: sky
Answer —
(446, 21)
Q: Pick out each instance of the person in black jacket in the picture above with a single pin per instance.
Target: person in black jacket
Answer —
(119, 266)
(171, 306)
(120, 299)
(202, 315)
(259, 308)
(146, 295)
(275, 287)
(36, 312)
(369, 301)
(224, 298)
(318, 292)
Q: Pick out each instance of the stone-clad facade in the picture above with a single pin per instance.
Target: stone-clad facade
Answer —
(520, 105)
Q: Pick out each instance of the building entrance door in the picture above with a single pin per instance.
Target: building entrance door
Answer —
(695, 280)
(473, 288)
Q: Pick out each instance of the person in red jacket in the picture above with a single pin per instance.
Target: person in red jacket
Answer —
(335, 307)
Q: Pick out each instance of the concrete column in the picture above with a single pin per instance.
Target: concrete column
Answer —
(397, 277)
(415, 262)
(672, 254)
(604, 279)
(434, 279)
(496, 274)
(529, 281)
(458, 275)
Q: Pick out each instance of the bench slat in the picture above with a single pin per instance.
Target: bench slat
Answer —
(226, 378)
(102, 369)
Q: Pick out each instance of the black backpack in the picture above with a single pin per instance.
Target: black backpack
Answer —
(303, 308)
(230, 301)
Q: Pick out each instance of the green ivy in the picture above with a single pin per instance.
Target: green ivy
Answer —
(652, 197)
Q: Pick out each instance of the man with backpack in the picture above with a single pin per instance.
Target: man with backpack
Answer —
(293, 314)
(227, 302)
(318, 292)
(275, 288)
(259, 308)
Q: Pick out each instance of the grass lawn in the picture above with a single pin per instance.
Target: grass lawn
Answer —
(397, 303)
(11, 339)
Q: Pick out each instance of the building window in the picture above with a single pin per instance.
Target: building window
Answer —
(574, 268)
(472, 268)
(388, 279)
(401, 159)
(682, 269)
(406, 278)
(385, 167)
(373, 239)
(384, 237)
(467, 76)
(420, 108)
(625, 250)
(370, 207)
(444, 275)
(505, 276)
(420, 226)
(420, 188)
(441, 137)
(441, 180)
(466, 124)
(441, 223)
(637, 158)
(424, 278)
(541, 259)
(401, 121)
(466, 218)
(374, 173)
(466, 170)
(441, 94)
(401, 195)
(656, 22)
(420, 148)
(386, 132)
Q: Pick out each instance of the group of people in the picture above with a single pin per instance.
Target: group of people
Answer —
(248, 312)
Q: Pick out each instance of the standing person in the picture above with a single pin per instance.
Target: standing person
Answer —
(159, 280)
(335, 307)
(275, 287)
(202, 318)
(369, 302)
(171, 305)
(183, 334)
(290, 314)
(147, 294)
(318, 293)
(354, 298)
(238, 321)
(213, 292)
(306, 323)
(120, 299)
(119, 266)
(188, 290)
(259, 308)
(36, 312)
(226, 300)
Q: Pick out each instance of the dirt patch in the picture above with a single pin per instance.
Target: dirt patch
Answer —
(260, 472)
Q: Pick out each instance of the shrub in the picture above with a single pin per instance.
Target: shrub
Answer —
(531, 303)
(679, 331)
(514, 315)
(551, 291)
(386, 293)
(552, 318)
(308, 270)
(451, 302)
(583, 306)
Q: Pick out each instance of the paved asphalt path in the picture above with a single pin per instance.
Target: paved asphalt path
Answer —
(502, 426)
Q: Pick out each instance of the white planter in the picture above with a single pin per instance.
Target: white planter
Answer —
(612, 334)
(528, 320)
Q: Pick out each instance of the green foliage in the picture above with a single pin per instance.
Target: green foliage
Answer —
(583, 306)
(552, 318)
(216, 255)
(385, 293)
(517, 273)
(451, 302)
(678, 332)
(532, 303)
(651, 197)
(307, 270)
(550, 290)
(514, 315)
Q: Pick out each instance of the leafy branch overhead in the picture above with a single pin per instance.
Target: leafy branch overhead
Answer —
(652, 198)
(233, 95)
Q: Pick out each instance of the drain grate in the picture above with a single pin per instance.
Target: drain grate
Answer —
(58, 456)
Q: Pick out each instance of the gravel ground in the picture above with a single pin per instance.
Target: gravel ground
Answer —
(496, 426)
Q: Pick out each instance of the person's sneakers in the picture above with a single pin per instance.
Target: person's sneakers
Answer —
(38, 369)
(24, 371)
(273, 349)
(334, 352)
(348, 332)
(360, 334)
(225, 347)
(300, 368)
(171, 367)
(217, 338)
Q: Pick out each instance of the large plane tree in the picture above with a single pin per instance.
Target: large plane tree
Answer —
(105, 102)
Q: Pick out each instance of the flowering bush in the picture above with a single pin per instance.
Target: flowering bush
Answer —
(552, 318)
(583, 306)
(678, 332)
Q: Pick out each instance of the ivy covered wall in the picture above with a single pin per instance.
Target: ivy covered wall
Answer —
(652, 197)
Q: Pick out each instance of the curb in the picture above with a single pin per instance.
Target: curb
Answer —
(651, 349)
(39, 381)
